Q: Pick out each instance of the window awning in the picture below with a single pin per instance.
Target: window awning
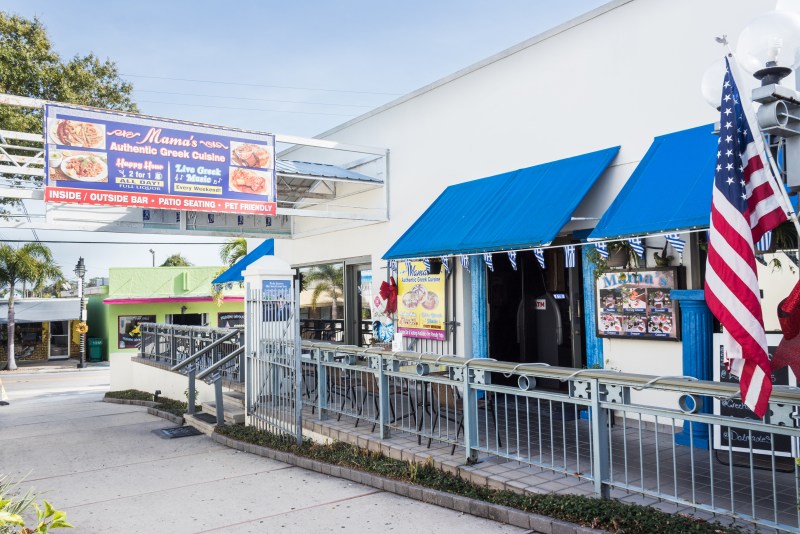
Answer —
(42, 310)
(234, 274)
(669, 191)
(516, 210)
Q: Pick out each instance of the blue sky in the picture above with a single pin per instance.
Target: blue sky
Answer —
(297, 67)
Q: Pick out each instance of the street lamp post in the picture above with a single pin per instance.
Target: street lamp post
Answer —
(80, 272)
(153, 252)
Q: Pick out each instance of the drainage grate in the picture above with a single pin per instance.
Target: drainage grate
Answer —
(178, 432)
(206, 418)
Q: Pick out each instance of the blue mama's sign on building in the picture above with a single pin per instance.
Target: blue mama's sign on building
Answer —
(104, 158)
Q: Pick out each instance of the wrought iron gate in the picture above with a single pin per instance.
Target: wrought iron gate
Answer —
(272, 344)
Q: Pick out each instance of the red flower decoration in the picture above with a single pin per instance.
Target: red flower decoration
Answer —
(788, 351)
(388, 292)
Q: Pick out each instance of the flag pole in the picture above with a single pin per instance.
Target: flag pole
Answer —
(747, 106)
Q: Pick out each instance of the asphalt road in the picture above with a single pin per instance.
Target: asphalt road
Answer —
(104, 465)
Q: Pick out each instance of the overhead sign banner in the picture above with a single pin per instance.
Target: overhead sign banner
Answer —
(106, 159)
(420, 302)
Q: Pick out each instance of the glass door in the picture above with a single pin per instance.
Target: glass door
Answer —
(59, 340)
(358, 288)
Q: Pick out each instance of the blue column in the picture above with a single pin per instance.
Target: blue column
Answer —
(477, 276)
(696, 331)
(594, 344)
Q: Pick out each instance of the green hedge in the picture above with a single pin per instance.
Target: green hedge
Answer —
(610, 515)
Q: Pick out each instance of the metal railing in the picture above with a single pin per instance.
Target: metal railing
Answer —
(174, 344)
(621, 433)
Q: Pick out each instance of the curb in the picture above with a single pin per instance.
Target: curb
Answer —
(33, 370)
(150, 409)
(495, 512)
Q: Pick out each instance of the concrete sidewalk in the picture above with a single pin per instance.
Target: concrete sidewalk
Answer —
(52, 366)
(103, 464)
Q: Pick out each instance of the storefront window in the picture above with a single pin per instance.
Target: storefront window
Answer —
(322, 302)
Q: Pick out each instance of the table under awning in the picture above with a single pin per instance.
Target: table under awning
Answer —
(516, 210)
(234, 274)
(670, 190)
(42, 310)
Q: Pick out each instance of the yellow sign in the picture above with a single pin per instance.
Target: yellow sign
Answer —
(420, 302)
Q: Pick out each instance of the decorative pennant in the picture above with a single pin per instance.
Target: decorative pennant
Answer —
(487, 258)
(636, 245)
(512, 257)
(464, 262)
(218, 287)
(427, 263)
(408, 267)
(446, 264)
(393, 266)
(676, 243)
(765, 242)
(569, 256)
(602, 249)
(539, 253)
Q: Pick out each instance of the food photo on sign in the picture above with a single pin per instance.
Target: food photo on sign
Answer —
(636, 304)
(420, 309)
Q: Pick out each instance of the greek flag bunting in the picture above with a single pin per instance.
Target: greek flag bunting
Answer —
(602, 249)
(392, 266)
(539, 253)
(636, 245)
(487, 259)
(408, 267)
(676, 243)
(464, 262)
(569, 253)
(765, 242)
(512, 257)
(446, 264)
(427, 263)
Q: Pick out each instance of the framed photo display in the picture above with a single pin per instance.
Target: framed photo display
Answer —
(637, 304)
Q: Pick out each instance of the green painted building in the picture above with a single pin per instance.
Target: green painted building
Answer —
(170, 295)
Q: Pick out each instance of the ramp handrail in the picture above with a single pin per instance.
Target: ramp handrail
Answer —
(204, 350)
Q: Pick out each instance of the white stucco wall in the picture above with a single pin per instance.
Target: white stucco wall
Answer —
(620, 75)
(126, 374)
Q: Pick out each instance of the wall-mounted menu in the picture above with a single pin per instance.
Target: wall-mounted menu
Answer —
(636, 304)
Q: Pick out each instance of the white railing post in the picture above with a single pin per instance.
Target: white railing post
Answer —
(322, 389)
(383, 397)
(600, 449)
(470, 416)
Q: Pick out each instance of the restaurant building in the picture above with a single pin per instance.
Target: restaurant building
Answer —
(592, 132)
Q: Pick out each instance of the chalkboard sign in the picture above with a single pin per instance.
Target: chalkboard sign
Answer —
(739, 439)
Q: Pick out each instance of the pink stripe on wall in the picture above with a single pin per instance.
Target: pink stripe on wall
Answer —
(166, 300)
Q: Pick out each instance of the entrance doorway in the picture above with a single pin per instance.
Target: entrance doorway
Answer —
(59, 340)
(358, 288)
(535, 314)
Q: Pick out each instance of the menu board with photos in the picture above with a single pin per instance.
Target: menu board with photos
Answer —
(637, 304)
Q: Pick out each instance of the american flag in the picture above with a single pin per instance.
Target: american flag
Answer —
(744, 205)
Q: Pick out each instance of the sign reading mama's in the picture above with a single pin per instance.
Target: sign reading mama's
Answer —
(107, 159)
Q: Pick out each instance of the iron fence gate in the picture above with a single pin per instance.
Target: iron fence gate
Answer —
(272, 345)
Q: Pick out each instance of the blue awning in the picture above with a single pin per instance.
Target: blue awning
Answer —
(234, 274)
(516, 210)
(669, 191)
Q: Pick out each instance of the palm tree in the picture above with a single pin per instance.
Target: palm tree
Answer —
(176, 260)
(326, 279)
(233, 250)
(30, 263)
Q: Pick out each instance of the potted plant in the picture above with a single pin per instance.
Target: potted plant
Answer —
(620, 255)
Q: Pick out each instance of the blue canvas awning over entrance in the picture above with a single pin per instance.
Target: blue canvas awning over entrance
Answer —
(234, 274)
(515, 210)
(669, 191)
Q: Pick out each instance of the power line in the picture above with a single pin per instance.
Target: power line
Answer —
(260, 85)
(253, 99)
(243, 109)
